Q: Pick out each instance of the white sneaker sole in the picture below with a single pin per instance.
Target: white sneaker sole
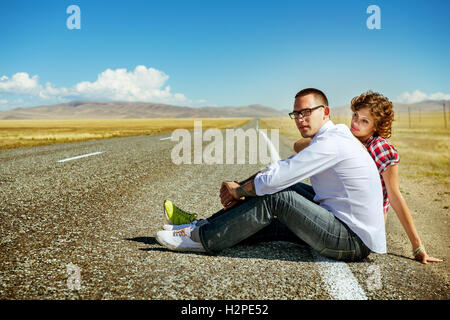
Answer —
(171, 246)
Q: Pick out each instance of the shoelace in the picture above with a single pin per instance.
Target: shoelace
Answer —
(181, 233)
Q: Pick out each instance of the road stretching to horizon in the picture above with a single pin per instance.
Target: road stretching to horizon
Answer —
(97, 205)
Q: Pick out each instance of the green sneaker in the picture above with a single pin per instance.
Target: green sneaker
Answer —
(175, 215)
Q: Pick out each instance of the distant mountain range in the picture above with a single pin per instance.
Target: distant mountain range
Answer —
(140, 110)
(424, 106)
(134, 110)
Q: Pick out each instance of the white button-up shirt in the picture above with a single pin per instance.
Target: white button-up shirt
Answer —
(344, 178)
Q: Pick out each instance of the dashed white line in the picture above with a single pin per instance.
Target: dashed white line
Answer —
(165, 138)
(336, 275)
(82, 156)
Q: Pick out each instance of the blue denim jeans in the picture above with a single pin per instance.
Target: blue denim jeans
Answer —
(289, 215)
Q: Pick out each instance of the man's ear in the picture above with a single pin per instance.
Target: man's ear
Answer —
(327, 111)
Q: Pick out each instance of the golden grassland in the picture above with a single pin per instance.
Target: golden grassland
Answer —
(30, 133)
(422, 141)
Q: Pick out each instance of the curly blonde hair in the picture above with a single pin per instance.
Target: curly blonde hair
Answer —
(380, 108)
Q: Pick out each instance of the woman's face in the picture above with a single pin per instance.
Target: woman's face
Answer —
(363, 124)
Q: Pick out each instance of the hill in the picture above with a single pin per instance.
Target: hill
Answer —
(133, 110)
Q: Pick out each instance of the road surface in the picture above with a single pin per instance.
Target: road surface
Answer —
(94, 218)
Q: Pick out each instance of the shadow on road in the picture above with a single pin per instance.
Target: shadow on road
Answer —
(146, 240)
(268, 250)
(400, 256)
(152, 241)
(273, 250)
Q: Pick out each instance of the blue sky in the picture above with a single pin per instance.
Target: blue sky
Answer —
(221, 53)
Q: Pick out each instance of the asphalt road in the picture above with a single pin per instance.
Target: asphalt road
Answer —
(99, 215)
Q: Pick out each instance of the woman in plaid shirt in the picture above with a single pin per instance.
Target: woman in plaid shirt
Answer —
(372, 119)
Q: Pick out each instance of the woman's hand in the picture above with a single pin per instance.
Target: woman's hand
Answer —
(424, 258)
(301, 144)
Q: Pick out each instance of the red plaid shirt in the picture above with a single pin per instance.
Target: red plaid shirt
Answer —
(384, 155)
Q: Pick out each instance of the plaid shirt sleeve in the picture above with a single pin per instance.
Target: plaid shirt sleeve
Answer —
(383, 153)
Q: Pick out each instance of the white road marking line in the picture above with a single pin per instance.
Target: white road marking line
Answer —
(82, 156)
(338, 278)
(336, 275)
(166, 138)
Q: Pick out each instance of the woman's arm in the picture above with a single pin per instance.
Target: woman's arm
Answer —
(390, 177)
(301, 144)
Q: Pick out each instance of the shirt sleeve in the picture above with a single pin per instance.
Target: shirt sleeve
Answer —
(385, 155)
(285, 173)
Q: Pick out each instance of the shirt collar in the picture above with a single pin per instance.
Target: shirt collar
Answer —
(327, 125)
(370, 140)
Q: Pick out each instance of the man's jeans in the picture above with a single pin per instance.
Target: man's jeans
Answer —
(266, 218)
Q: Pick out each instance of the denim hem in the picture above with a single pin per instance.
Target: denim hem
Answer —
(201, 236)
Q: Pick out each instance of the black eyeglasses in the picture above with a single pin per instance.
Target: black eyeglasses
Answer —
(303, 113)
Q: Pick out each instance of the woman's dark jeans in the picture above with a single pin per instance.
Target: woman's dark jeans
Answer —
(288, 215)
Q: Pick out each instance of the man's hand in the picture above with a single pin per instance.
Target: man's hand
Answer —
(228, 195)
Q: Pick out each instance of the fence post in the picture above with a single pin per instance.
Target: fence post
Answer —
(449, 112)
(445, 117)
(409, 116)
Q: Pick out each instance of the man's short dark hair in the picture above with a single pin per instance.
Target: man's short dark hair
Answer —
(319, 96)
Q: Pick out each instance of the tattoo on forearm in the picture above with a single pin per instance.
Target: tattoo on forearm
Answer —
(247, 189)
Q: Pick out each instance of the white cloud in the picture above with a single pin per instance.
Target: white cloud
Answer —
(140, 84)
(418, 96)
(20, 83)
(440, 96)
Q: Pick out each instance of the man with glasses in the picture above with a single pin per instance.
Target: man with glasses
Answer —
(339, 215)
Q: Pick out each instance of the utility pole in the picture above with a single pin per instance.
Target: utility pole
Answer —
(445, 116)
(449, 112)
(448, 109)
(409, 116)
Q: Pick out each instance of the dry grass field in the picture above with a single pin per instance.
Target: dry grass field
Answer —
(422, 141)
(30, 133)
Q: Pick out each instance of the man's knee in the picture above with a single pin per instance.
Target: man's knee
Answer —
(287, 193)
(280, 198)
